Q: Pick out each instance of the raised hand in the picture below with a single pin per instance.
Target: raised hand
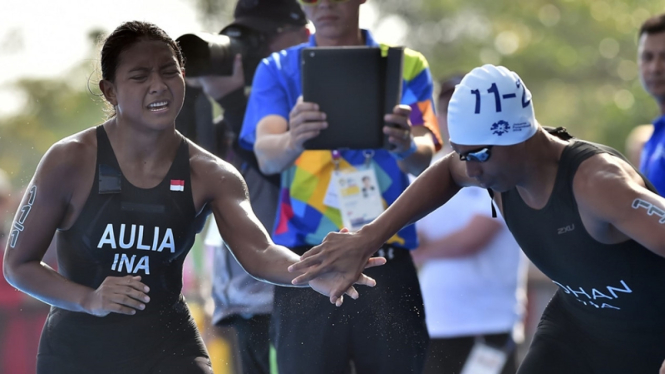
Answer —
(305, 122)
(341, 257)
(122, 295)
(399, 130)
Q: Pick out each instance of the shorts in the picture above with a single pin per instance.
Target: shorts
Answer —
(165, 342)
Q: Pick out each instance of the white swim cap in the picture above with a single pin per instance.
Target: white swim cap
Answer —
(491, 106)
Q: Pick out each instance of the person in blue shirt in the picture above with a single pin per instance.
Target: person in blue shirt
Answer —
(651, 61)
(241, 301)
(385, 332)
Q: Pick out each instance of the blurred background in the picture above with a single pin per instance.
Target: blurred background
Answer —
(578, 57)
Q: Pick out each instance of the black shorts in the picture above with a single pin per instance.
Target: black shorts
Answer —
(565, 344)
(382, 332)
(166, 343)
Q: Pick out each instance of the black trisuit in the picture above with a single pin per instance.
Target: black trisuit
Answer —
(125, 230)
(608, 315)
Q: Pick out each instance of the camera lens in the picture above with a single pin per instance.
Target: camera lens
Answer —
(208, 54)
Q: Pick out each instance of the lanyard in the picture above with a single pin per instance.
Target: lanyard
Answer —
(337, 156)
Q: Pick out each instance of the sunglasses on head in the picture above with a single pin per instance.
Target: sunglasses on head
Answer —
(315, 2)
(478, 155)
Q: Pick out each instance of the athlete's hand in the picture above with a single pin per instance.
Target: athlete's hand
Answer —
(122, 295)
(326, 284)
(339, 256)
(662, 368)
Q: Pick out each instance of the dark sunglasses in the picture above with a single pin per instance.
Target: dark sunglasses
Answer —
(314, 2)
(478, 155)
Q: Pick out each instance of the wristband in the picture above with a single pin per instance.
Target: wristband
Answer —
(401, 156)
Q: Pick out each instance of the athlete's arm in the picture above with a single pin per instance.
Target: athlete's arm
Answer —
(224, 188)
(615, 204)
(431, 189)
(47, 203)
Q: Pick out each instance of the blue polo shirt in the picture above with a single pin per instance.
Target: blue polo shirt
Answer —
(302, 217)
(652, 161)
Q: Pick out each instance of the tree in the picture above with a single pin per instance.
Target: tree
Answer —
(578, 57)
(55, 108)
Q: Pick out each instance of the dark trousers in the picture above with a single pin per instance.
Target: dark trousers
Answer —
(253, 342)
(447, 356)
(382, 332)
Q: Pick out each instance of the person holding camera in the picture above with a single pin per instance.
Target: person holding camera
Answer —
(385, 331)
(241, 301)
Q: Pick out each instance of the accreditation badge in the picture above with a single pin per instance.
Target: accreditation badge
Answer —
(484, 359)
(357, 195)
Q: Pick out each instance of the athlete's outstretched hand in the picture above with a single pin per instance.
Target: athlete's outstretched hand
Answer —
(327, 284)
(340, 256)
(122, 295)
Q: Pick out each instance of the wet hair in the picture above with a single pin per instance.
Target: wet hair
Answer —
(126, 35)
(653, 25)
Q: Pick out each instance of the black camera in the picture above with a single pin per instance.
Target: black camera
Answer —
(213, 54)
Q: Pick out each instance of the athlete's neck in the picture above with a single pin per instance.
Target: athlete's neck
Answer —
(139, 142)
(540, 169)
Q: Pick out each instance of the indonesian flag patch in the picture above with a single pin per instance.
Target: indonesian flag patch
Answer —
(177, 185)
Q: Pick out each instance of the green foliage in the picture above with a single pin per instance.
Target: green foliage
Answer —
(54, 110)
(576, 56)
(214, 14)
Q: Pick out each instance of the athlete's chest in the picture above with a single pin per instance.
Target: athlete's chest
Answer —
(156, 222)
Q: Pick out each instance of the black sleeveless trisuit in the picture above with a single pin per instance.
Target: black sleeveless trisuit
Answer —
(608, 315)
(126, 230)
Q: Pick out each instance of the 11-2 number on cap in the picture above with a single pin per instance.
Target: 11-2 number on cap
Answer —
(497, 96)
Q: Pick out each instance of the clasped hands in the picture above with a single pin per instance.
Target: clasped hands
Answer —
(334, 266)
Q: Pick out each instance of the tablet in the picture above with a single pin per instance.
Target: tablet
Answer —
(355, 87)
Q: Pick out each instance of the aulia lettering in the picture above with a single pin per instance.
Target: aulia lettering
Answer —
(125, 241)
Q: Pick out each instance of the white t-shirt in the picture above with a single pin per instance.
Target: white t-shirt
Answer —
(478, 294)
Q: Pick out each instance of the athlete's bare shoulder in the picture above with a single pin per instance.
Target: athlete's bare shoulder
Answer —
(65, 174)
(202, 161)
(604, 168)
(604, 185)
(70, 156)
(211, 174)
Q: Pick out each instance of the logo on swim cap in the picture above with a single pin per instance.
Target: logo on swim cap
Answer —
(500, 128)
(491, 106)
